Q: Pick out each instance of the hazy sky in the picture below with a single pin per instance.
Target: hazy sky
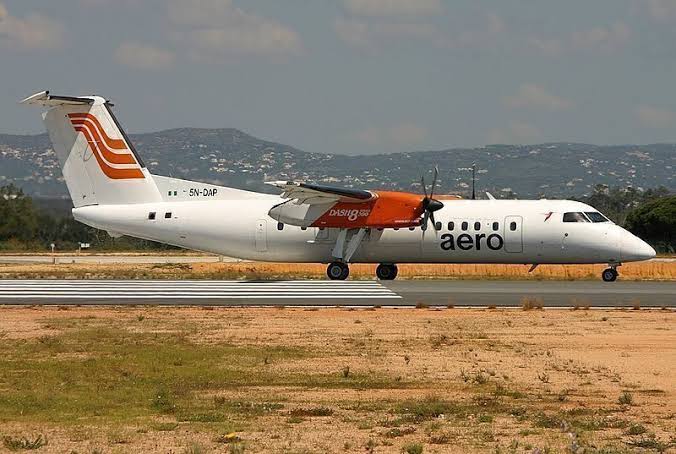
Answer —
(354, 76)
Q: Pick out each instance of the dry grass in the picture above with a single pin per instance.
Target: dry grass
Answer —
(258, 270)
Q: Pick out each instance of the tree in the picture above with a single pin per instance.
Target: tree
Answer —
(18, 215)
(616, 202)
(655, 222)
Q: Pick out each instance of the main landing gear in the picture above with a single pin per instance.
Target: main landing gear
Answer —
(610, 274)
(338, 271)
(386, 271)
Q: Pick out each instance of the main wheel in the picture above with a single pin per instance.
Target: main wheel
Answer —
(609, 275)
(337, 271)
(386, 271)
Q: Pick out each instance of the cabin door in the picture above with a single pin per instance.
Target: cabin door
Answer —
(261, 235)
(513, 234)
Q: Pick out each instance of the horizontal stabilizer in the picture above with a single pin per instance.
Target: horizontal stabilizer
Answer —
(45, 99)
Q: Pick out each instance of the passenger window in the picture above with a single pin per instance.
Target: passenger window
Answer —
(280, 226)
(411, 228)
(496, 226)
(151, 216)
(437, 225)
(477, 226)
(512, 226)
(451, 225)
(303, 228)
(574, 217)
(167, 215)
(464, 225)
(595, 216)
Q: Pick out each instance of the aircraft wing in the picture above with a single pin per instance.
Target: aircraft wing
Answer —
(312, 194)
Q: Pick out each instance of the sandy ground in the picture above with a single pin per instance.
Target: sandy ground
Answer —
(505, 368)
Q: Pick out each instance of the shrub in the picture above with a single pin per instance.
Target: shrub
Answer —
(412, 448)
(23, 443)
(310, 412)
(625, 398)
(636, 429)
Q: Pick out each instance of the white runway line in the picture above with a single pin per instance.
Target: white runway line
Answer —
(84, 289)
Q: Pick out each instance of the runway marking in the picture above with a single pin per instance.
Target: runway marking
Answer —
(283, 290)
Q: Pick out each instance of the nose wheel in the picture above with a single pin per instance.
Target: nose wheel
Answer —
(609, 275)
(337, 271)
(386, 271)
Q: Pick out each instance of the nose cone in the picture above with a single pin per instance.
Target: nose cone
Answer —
(635, 249)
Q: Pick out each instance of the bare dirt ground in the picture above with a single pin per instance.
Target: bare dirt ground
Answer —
(651, 270)
(190, 380)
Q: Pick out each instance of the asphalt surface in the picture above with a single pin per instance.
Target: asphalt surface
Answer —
(331, 293)
(551, 293)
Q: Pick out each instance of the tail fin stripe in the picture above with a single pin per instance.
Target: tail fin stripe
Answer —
(110, 172)
(116, 144)
(109, 155)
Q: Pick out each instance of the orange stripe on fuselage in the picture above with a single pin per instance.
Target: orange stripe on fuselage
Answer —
(387, 210)
(110, 172)
(109, 155)
(115, 144)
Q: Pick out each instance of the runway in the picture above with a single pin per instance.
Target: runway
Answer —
(458, 293)
(194, 292)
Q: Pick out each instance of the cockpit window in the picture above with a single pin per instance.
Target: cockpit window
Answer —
(574, 217)
(595, 216)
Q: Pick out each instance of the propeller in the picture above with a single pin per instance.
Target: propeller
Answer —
(429, 203)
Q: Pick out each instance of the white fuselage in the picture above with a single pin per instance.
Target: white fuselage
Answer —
(509, 231)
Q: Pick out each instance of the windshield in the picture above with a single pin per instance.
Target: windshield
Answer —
(574, 217)
(595, 216)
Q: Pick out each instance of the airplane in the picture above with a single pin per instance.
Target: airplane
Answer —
(113, 190)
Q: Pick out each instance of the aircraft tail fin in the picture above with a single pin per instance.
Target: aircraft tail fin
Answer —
(99, 163)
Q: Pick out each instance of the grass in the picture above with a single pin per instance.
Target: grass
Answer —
(530, 303)
(114, 374)
(276, 271)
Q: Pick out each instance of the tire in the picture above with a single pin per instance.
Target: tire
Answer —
(609, 275)
(337, 271)
(386, 272)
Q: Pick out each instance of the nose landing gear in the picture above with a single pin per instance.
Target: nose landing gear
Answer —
(338, 271)
(610, 274)
(386, 271)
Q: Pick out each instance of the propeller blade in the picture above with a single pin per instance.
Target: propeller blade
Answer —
(422, 183)
(434, 181)
(423, 226)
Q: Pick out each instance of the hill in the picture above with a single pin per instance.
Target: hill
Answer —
(233, 158)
